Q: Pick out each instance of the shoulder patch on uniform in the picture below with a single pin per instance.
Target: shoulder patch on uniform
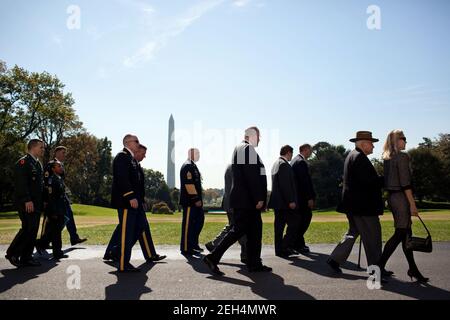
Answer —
(22, 162)
(189, 175)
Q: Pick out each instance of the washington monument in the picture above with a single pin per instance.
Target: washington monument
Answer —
(171, 154)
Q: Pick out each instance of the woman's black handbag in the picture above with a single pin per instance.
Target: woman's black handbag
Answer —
(420, 244)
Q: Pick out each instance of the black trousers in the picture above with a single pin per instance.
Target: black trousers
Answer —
(54, 227)
(305, 221)
(292, 219)
(25, 240)
(221, 235)
(247, 222)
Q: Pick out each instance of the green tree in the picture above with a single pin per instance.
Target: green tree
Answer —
(27, 100)
(326, 168)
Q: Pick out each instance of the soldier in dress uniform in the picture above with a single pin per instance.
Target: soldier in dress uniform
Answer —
(192, 203)
(145, 238)
(125, 198)
(55, 196)
(29, 187)
(69, 221)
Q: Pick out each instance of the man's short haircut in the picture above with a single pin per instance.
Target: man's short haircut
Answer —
(59, 148)
(285, 150)
(33, 143)
(305, 147)
(252, 131)
(127, 138)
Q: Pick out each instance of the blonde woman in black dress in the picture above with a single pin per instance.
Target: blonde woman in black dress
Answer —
(397, 175)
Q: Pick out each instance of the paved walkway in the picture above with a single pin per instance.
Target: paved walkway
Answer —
(303, 277)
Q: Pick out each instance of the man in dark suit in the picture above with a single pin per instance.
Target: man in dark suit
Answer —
(305, 194)
(28, 194)
(283, 200)
(248, 197)
(226, 206)
(362, 203)
(125, 198)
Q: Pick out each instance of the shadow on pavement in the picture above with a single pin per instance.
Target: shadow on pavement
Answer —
(129, 286)
(318, 264)
(416, 290)
(16, 276)
(267, 285)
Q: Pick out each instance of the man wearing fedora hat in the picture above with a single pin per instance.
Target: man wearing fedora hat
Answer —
(362, 203)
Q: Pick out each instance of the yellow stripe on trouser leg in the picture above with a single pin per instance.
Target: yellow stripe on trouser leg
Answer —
(44, 226)
(122, 249)
(146, 244)
(186, 228)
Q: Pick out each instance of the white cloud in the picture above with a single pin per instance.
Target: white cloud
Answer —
(57, 40)
(241, 3)
(172, 29)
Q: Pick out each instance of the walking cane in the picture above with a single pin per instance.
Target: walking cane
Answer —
(359, 254)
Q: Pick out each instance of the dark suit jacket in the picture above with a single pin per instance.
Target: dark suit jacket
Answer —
(303, 182)
(249, 178)
(228, 182)
(283, 185)
(126, 180)
(361, 194)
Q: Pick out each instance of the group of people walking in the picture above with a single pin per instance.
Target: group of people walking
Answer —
(41, 190)
(245, 197)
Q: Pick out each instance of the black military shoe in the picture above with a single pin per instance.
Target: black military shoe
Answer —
(59, 256)
(244, 260)
(261, 268)
(199, 250)
(212, 266)
(188, 253)
(334, 265)
(156, 258)
(14, 261)
(110, 256)
(77, 241)
(30, 263)
(130, 268)
(304, 250)
(209, 246)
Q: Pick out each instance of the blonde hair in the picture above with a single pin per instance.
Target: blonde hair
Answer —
(390, 146)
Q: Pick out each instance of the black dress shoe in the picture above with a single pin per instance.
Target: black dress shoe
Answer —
(387, 273)
(59, 256)
(304, 250)
(14, 261)
(30, 263)
(418, 276)
(212, 266)
(77, 241)
(188, 253)
(209, 246)
(334, 265)
(156, 258)
(199, 250)
(286, 253)
(260, 268)
(129, 268)
(244, 260)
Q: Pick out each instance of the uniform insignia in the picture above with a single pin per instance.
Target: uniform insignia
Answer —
(189, 175)
(49, 190)
(47, 174)
(22, 162)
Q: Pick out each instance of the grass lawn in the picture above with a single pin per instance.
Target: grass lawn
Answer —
(97, 224)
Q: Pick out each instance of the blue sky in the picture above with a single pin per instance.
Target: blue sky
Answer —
(303, 71)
